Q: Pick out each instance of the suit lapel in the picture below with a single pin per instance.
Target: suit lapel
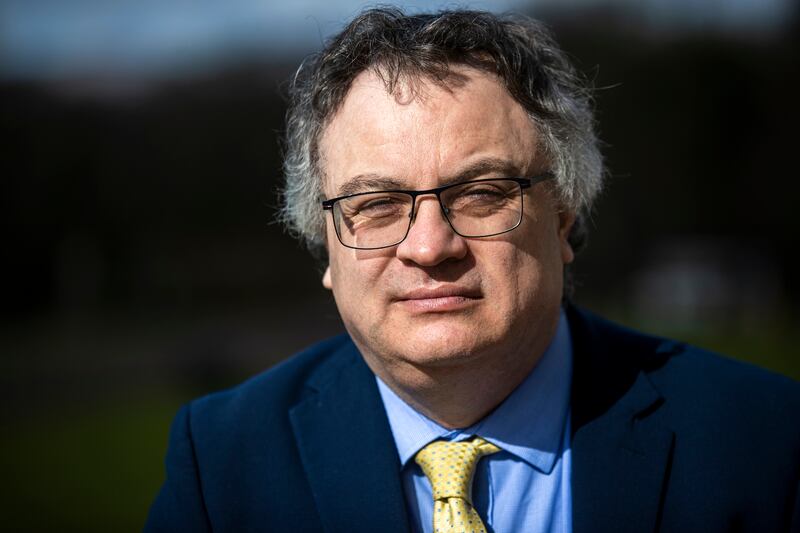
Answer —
(348, 452)
(621, 449)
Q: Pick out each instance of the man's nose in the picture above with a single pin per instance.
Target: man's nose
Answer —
(430, 239)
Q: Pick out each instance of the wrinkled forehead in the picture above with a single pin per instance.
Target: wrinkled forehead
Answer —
(424, 126)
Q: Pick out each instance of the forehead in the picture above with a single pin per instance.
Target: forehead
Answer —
(423, 133)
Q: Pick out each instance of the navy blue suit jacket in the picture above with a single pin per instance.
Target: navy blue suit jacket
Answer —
(665, 437)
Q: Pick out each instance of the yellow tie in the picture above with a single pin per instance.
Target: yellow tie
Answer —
(450, 467)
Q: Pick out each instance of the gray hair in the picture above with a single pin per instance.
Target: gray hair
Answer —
(519, 50)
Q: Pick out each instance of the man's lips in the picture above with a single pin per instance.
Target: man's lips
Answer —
(442, 298)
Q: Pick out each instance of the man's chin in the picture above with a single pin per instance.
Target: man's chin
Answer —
(439, 350)
(445, 341)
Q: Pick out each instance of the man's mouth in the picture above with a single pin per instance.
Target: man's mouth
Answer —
(439, 299)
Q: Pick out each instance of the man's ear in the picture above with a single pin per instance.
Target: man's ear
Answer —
(326, 278)
(566, 218)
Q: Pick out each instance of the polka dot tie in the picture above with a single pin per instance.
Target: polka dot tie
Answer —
(450, 467)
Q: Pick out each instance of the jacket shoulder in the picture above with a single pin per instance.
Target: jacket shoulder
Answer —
(696, 384)
(721, 391)
(264, 399)
(233, 459)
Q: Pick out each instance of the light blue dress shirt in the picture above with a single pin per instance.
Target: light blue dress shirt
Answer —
(524, 487)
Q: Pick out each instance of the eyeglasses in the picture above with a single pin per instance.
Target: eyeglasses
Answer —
(381, 219)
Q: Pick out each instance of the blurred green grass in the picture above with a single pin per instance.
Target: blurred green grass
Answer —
(776, 352)
(92, 471)
(771, 345)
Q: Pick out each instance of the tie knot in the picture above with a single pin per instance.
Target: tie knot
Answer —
(450, 465)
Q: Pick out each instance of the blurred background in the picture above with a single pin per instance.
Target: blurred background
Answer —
(141, 265)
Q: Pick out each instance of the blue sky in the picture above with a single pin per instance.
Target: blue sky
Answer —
(54, 39)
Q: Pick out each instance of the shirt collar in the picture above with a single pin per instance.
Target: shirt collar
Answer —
(528, 424)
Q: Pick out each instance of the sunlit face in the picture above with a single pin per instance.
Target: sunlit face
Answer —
(439, 300)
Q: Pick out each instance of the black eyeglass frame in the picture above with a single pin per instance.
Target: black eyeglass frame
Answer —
(524, 183)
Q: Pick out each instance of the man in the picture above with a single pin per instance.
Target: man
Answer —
(445, 164)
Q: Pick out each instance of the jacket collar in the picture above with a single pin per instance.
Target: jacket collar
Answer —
(347, 450)
(621, 446)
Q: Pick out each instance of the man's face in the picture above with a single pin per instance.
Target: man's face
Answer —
(438, 300)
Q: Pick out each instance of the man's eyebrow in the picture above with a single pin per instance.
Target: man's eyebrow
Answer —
(484, 166)
(369, 182)
(376, 182)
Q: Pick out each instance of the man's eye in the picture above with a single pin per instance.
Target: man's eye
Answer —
(483, 194)
(383, 206)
